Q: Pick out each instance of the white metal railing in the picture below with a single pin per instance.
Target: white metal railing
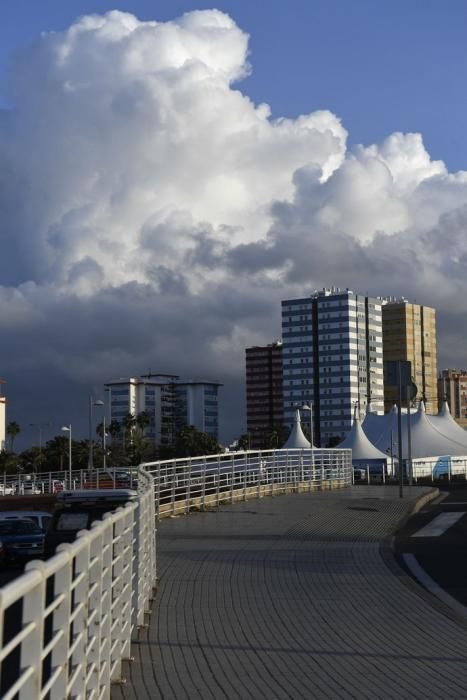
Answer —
(37, 483)
(66, 624)
(182, 485)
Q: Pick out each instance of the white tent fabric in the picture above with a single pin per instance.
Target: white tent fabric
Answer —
(445, 423)
(362, 449)
(296, 439)
(429, 439)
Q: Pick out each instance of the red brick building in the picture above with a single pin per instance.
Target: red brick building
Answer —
(264, 405)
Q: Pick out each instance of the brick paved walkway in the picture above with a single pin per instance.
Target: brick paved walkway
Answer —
(293, 597)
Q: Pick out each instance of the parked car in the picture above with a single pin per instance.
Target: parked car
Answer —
(77, 510)
(21, 539)
(40, 518)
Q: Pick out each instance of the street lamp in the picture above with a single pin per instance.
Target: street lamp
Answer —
(67, 429)
(309, 407)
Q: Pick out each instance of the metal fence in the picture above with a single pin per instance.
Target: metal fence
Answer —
(66, 624)
(37, 483)
(194, 483)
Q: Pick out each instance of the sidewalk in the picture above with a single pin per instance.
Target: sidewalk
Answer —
(291, 597)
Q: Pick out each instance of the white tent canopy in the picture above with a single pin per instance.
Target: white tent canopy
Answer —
(296, 439)
(431, 436)
(362, 449)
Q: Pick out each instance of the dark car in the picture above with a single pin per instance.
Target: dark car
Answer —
(21, 540)
(77, 510)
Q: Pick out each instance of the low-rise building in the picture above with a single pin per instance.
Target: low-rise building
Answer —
(452, 386)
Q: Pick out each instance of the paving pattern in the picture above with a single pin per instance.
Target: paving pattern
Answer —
(294, 597)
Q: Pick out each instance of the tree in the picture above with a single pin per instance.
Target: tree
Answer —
(243, 442)
(143, 420)
(191, 442)
(12, 430)
(128, 423)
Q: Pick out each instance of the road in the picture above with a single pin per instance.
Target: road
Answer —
(437, 538)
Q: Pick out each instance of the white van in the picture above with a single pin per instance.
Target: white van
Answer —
(38, 517)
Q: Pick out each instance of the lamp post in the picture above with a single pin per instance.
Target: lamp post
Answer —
(67, 429)
(309, 407)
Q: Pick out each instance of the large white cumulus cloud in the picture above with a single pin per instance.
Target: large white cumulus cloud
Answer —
(153, 216)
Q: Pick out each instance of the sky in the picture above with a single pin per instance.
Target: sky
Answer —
(170, 172)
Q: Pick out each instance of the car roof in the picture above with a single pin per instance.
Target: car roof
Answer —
(97, 495)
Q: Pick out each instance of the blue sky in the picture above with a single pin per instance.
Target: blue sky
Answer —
(380, 66)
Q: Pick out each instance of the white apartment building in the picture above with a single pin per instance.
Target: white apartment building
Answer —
(197, 404)
(170, 402)
(332, 357)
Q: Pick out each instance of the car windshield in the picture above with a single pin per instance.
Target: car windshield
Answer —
(19, 527)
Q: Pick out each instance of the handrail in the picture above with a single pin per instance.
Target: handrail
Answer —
(75, 614)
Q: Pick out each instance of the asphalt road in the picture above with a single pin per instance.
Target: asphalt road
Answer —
(443, 557)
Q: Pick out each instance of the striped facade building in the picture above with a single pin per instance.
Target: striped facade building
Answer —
(332, 357)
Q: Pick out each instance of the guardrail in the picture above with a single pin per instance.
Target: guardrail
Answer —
(193, 483)
(66, 624)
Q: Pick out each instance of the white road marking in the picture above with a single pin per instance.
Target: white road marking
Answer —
(440, 524)
(431, 586)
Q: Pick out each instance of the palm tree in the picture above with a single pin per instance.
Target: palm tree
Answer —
(13, 429)
(143, 419)
(128, 423)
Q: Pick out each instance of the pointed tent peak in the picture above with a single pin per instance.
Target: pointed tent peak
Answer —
(362, 448)
(421, 407)
(394, 408)
(356, 412)
(445, 409)
(296, 439)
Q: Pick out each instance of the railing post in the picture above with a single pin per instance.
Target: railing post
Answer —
(203, 485)
(188, 488)
(157, 490)
(172, 493)
(232, 478)
(218, 485)
(245, 473)
(32, 645)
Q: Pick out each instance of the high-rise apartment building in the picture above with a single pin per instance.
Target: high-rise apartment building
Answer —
(409, 333)
(452, 386)
(170, 402)
(196, 403)
(264, 409)
(332, 357)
